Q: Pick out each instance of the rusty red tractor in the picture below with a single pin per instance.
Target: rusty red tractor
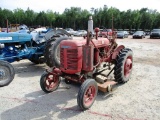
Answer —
(83, 61)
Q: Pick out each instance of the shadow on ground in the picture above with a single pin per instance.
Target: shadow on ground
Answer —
(61, 104)
(39, 105)
(28, 69)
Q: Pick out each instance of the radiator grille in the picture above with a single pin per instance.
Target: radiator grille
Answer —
(72, 59)
(62, 57)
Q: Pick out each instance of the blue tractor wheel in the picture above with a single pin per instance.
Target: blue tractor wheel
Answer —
(7, 73)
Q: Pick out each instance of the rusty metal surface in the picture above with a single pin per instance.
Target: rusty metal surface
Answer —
(104, 87)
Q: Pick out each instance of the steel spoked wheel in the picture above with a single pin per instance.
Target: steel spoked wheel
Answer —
(123, 66)
(49, 82)
(87, 94)
(7, 73)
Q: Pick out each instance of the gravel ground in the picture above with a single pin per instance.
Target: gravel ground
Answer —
(138, 99)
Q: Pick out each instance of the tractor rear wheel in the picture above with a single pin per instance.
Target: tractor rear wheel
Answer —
(36, 60)
(123, 66)
(87, 94)
(49, 82)
(7, 73)
(48, 52)
(52, 52)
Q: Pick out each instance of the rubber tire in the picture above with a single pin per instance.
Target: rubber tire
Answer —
(82, 91)
(53, 52)
(42, 83)
(11, 74)
(119, 65)
(36, 61)
(48, 52)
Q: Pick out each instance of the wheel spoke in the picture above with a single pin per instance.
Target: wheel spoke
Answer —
(50, 82)
(90, 90)
(50, 85)
(88, 97)
(91, 96)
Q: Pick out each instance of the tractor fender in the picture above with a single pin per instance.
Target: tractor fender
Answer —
(54, 71)
(116, 51)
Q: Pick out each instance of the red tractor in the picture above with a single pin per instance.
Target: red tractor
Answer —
(83, 61)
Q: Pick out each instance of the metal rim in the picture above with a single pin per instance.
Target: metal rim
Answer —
(4, 73)
(89, 95)
(51, 82)
(128, 66)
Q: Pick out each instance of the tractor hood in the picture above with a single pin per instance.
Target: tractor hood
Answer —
(14, 37)
(80, 42)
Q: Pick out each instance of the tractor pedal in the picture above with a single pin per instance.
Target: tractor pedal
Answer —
(101, 79)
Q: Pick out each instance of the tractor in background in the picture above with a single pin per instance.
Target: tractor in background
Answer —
(84, 61)
(16, 46)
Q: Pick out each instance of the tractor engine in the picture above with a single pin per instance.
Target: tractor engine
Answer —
(75, 56)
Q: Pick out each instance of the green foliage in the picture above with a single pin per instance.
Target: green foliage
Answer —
(77, 18)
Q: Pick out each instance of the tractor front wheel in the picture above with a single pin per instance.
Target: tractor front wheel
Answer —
(87, 94)
(123, 66)
(7, 73)
(49, 82)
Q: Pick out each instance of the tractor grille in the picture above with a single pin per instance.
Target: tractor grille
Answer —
(62, 57)
(71, 60)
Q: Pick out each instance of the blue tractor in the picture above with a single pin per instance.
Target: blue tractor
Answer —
(15, 46)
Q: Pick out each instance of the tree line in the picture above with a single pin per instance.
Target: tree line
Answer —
(77, 18)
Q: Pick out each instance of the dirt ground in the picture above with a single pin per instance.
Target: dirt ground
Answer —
(138, 99)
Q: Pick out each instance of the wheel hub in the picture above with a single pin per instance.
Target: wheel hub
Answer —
(51, 82)
(89, 96)
(2, 74)
(127, 67)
